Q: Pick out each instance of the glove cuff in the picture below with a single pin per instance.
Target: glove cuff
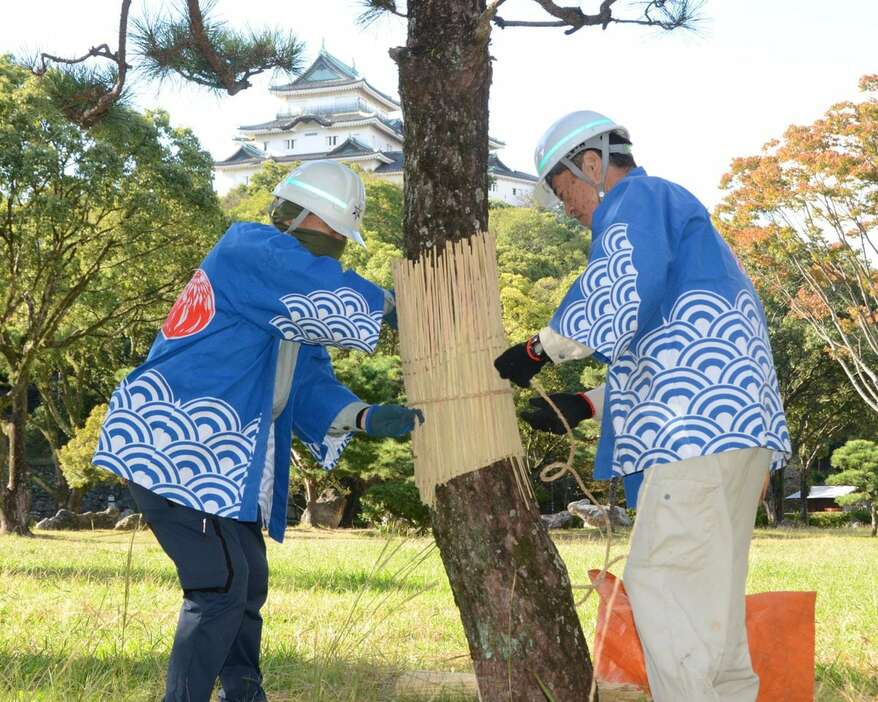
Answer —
(589, 403)
(362, 418)
(534, 349)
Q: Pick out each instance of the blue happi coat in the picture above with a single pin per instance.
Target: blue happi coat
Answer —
(195, 424)
(664, 302)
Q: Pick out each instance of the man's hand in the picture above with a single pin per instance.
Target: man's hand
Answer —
(521, 362)
(390, 319)
(389, 420)
(542, 416)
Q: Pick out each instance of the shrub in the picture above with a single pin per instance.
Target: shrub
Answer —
(829, 520)
(395, 503)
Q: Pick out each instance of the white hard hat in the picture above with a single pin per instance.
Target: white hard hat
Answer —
(330, 190)
(569, 136)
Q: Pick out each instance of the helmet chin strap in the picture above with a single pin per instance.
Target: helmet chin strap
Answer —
(297, 221)
(605, 148)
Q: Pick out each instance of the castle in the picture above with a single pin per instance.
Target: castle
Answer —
(331, 111)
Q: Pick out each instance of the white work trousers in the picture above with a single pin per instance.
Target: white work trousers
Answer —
(686, 574)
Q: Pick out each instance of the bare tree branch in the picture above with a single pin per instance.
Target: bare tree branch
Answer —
(664, 14)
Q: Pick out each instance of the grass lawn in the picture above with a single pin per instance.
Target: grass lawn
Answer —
(347, 611)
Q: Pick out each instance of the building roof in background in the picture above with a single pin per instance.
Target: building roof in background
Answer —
(349, 149)
(327, 71)
(497, 167)
(396, 163)
(824, 492)
(284, 124)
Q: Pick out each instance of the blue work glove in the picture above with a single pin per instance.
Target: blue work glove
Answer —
(389, 420)
(390, 316)
(390, 319)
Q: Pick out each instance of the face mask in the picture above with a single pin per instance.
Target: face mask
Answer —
(320, 244)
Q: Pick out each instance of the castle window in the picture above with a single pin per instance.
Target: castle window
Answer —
(290, 144)
(331, 140)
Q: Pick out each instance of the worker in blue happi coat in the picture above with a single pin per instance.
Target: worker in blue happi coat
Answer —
(691, 405)
(202, 430)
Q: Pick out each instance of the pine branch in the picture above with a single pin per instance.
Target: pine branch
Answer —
(199, 49)
(86, 95)
(375, 9)
(664, 14)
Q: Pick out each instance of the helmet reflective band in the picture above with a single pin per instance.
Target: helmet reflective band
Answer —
(566, 139)
(331, 191)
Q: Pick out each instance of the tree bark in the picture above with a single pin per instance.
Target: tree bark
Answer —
(15, 493)
(508, 580)
(512, 590)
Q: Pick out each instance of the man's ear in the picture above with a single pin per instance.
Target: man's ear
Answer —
(591, 165)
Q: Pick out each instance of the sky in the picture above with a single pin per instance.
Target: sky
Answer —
(692, 101)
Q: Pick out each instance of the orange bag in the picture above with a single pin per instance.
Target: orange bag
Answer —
(780, 630)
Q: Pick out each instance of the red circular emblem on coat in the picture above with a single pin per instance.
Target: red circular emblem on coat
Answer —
(193, 309)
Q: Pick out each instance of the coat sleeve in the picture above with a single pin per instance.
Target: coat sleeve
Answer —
(318, 399)
(622, 285)
(274, 282)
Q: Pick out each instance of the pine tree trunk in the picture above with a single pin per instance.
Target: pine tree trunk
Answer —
(508, 580)
(15, 493)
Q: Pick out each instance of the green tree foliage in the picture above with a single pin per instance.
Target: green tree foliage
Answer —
(75, 457)
(806, 210)
(858, 463)
(99, 229)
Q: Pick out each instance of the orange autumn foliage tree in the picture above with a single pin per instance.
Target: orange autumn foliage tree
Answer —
(803, 216)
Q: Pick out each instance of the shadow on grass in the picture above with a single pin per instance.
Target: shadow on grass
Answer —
(288, 676)
(808, 533)
(65, 573)
(329, 581)
(844, 682)
(339, 582)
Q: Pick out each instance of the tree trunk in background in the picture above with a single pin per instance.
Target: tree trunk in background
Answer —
(874, 512)
(777, 484)
(15, 491)
(509, 583)
(803, 495)
(613, 498)
(74, 500)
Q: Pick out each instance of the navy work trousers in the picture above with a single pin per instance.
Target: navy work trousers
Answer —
(223, 572)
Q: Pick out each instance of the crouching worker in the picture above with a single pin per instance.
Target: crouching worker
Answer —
(202, 430)
(691, 404)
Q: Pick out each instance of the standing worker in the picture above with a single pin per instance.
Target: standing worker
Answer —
(691, 400)
(202, 430)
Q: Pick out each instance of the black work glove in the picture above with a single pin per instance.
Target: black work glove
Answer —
(574, 406)
(521, 362)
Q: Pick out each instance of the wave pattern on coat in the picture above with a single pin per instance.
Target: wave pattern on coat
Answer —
(702, 383)
(605, 318)
(340, 318)
(196, 453)
(328, 453)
